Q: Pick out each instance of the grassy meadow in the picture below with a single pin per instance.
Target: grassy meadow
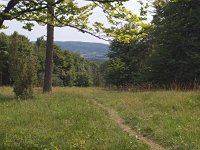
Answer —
(62, 120)
(69, 119)
(170, 118)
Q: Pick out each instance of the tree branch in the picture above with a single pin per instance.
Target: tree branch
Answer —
(79, 29)
(11, 4)
(67, 25)
(107, 1)
(39, 8)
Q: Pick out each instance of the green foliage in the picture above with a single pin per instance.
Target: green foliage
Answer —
(83, 70)
(124, 25)
(83, 80)
(22, 65)
(126, 62)
(26, 59)
(4, 62)
(175, 55)
(70, 13)
(70, 69)
(62, 66)
(98, 79)
(56, 81)
(115, 73)
(4, 41)
(40, 50)
(168, 55)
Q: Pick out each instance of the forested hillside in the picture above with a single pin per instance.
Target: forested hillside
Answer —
(22, 62)
(88, 50)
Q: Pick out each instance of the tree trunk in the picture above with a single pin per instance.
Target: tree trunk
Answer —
(49, 53)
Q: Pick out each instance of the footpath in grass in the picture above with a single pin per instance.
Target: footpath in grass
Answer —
(69, 119)
(122, 124)
(65, 119)
(169, 118)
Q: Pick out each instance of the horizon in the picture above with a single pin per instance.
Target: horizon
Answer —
(83, 42)
(79, 41)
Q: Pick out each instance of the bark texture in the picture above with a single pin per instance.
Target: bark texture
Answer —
(49, 53)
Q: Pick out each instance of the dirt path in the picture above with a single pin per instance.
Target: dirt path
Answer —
(121, 123)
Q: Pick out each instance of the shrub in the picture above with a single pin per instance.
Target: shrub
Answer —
(83, 80)
(22, 65)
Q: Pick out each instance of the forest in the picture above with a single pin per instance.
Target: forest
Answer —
(166, 57)
(70, 69)
(144, 96)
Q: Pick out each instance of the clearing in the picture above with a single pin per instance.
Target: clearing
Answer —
(94, 118)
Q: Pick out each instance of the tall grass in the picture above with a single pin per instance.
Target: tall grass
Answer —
(69, 119)
(170, 118)
(65, 119)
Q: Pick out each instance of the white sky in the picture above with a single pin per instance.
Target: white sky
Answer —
(65, 33)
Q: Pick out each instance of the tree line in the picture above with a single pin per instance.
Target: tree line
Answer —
(62, 13)
(22, 65)
(169, 56)
(163, 53)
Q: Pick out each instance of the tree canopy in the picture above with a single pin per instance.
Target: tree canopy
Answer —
(69, 13)
(168, 57)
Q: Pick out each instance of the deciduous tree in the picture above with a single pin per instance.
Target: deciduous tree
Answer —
(68, 13)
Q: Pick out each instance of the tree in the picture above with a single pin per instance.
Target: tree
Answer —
(175, 55)
(70, 69)
(83, 71)
(5, 12)
(22, 65)
(67, 13)
(115, 73)
(97, 74)
(63, 65)
(49, 51)
(126, 64)
(4, 62)
(40, 49)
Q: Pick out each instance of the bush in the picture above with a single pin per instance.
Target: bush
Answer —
(22, 65)
(56, 81)
(83, 80)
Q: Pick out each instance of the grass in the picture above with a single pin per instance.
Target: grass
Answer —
(69, 119)
(170, 118)
(65, 119)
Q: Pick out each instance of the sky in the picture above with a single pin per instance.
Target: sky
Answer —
(66, 33)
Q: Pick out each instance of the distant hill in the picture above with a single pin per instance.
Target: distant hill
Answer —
(88, 50)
